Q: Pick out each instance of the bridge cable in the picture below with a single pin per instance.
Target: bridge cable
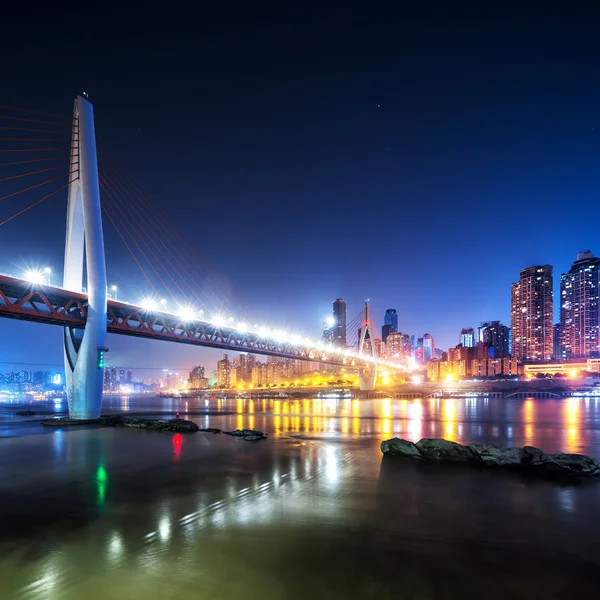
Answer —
(153, 240)
(209, 269)
(131, 210)
(156, 218)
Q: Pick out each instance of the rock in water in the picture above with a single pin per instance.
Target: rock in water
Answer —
(527, 460)
(494, 456)
(532, 455)
(444, 450)
(210, 430)
(174, 425)
(569, 464)
(250, 435)
(398, 447)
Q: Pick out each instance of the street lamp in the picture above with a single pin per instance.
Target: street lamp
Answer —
(114, 291)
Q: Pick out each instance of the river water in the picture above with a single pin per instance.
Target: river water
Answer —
(314, 510)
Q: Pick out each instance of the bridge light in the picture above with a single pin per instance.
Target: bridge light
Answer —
(218, 321)
(187, 313)
(295, 339)
(263, 332)
(148, 304)
(101, 352)
(241, 327)
(33, 276)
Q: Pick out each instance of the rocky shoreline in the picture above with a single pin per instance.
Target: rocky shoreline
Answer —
(177, 426)
(528, 459)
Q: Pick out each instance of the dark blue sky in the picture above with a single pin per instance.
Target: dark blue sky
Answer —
(419, 157)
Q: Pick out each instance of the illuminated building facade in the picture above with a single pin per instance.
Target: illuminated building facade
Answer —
(580, 308)
(224, 372)
(531, 314)
(390, 323)
(428, 347)
(467, 338)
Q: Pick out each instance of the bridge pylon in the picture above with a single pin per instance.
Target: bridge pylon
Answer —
(84, 349)
(368, 374)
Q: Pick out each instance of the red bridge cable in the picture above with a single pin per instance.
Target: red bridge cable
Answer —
(32, 173)
(178, 234)
(153, 240)
(35, 149)
(62, 187)
(125, 190)
(159, 229)
(109, 209)
(33, 130)
(209, 269)
(31, 187)
(127, 246)
(131, 227)
(167, 271)
(111, 203)
(36, 112)
(21, 120)
(32, 160)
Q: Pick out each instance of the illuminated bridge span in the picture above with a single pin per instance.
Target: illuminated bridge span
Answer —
(186, 302)
(56, 306)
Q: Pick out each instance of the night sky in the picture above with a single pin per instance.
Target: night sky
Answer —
(419, 157)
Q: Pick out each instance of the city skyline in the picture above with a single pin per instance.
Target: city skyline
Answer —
(237, 153)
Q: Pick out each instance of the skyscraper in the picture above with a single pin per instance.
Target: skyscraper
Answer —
(580, 308)
(428, 347)
(467, 338)
(390, 323)
(224, 372)
(531, 314)
(339, 320)
(496, 337)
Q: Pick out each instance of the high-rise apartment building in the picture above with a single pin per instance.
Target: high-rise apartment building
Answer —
(197, 379)
(428, 347)
(496, 337)
(224, 372)
(531, 314)
(339, 322)
(393, 345)
(580, 308)
(467, 338)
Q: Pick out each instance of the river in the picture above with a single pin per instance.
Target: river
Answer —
(92, 513)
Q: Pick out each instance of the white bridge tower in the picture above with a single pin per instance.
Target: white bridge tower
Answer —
(84, 349)
(367, 374)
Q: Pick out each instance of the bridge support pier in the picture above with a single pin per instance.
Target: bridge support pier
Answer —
(84, 352)
(367, 375)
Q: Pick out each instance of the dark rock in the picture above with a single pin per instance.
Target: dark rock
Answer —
(532, 456)
(210, 430)
(173, 425)
(569, 464)
(494, 456)
(527, 460)
(254, 438)
(245, 433)
(398, 447)
(444, 450)
(25, 413)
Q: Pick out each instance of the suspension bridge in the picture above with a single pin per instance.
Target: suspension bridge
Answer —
(187, 301)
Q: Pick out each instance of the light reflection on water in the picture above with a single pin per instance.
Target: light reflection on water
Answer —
(571, 425)
(172, 515)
